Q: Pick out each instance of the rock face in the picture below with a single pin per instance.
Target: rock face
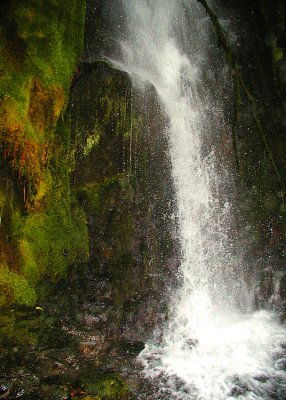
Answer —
(38, 60)
(122, 182)
(260, 140)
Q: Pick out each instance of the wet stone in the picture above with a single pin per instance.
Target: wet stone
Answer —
(262, 378)
(280, 364)
(129, 348)
(282, 288)
(5, 391)
(191, 343)
(91, 320)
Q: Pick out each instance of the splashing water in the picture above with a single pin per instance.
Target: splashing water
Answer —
(214, 346)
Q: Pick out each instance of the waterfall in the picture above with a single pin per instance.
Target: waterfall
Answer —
(215, 345)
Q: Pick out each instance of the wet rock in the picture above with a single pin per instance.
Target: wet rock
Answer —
(142, 319)
(239, 388)
(19, 394)
(282, 297)
(237, 391)
(55, 392)
(191, 343)
(282, 288)
(4, 391)
(280, 364)
(262, 378)
(105, 385)
(129, 348)
(265, 288)
(95, 347)
(91, 320)
(80, 317)
(48, 370)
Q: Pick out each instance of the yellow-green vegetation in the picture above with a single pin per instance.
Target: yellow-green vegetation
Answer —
(103, 194)
(108, 138)
(50, 241)
(109, 199)
(91, 141)
(13, 332)
(277, 52)
(41, 43)
(112, 130)
(15, 287)
(107, 387)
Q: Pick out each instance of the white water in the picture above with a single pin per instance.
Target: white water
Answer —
(214, 347)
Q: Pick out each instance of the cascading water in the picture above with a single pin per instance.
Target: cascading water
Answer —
(215, 346)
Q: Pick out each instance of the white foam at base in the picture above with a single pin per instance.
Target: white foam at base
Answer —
(248, 349)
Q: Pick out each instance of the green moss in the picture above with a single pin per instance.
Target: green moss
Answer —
(51, 39)
(51, 240)
(40, 44)
(7, 326)
(13, 334)
(29, 268)
(24, 328)
(15, 288)
(91, 141)
(107, 387)
(106, 106)
(277, 52)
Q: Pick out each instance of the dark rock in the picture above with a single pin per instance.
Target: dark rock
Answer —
(129, 348)
(282, 288)
(4, 391)
(191, 343)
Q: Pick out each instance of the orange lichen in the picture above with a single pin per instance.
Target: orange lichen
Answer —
(7, 252)
(11, 120)
(26, 137)
(29, 160)
(58, 100)
(45, 106)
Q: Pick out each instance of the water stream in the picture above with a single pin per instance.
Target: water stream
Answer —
(215, 345)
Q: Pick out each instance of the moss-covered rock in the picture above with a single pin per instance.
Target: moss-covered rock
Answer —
(15, 287)
(40, 45)
(106, 386)
(40, 48)
(258, 71)
(122, 181)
